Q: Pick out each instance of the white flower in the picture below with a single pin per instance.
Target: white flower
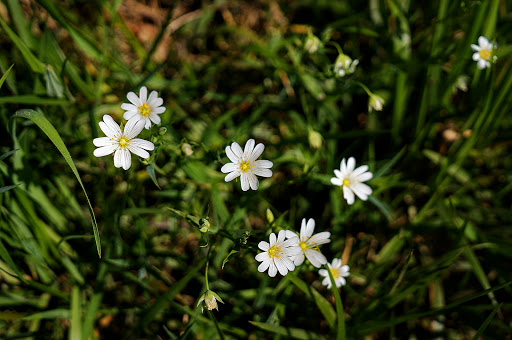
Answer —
(308, 242)
(375, 102)
(245, 164)
(339, 273)
(483, 52)
(122, 142)
(345, 65)
(312, 43)
(277, 255)
(144, 108)
(210, 300)
(351, 180)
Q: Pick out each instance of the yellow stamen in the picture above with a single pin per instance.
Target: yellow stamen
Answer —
(245, 166)
(123, 142)
(144, 110)
(274, 251)
(303, 245)
(335, 273)
(485, 54)
(346, 182)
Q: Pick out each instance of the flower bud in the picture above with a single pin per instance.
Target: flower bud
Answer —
(204, 224)
(375, 102)
(162, 131)
(187, 149)
(315, 139)
(312, 43)
(210, 300)
(270, 216)
(345, 65)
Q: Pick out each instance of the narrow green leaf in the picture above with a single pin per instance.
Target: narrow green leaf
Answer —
(3, 189)
(54, 86)
(7, 154)
(383, 170)
(33, 62)
(341, 333)
(479, 272)
(50, 314)
(226, 259)
(54, 136)
(32, 99)
(295, 333)
(482, 328)
(90, 315)
(323, 305)
(6, 257)
(5, 75)
(75, 331)
(151, 172)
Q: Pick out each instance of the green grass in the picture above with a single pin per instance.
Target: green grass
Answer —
(429, 252)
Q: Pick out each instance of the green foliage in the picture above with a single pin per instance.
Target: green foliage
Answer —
(429, 251)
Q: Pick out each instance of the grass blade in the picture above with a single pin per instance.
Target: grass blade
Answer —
(486, 322)
(75, 331)
(54, 136)
(341, 333)
(294, 333)
(5, 75)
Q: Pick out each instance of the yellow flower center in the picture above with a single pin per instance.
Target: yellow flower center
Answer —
(123, 142)
(335, 273)
(346, 182)
(245, 166)
(485, 54)
(274, 251)
(303, 245)
(144, 110)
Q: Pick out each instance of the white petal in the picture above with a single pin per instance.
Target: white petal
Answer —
(104, 150)
(129, 107)
(231, 176)
(109, 127)
(237, 150)
(290, 234)
(244, 180)
(303, 229)
(263, 245)
(229, 167)
(143, 94)
(483, 41)
(117, 159)
(299, 259)
(364, 189)
(263, 266)
(262, 172)
(258, 150)
(360, 170)
(475, 47)
(323, 272)
(344, 269)
(102, 141)
(340, 281)
(336, 181)
(133, 127)
(272, 270)
(253, 181)
(134, 99)
(263, 164)
(155, 119)
(139, 151)
(132, 115)
(155, 102)
(364, 177)
(262, 257)
(351, 164)
(320, 238)
(272, 239)
(142, 143)
(310, 228)
(288, 263)
(126, 159)
(336, 263)
(152, 96)
(249, 146)
(343, 168)
(348, 195)
(147, 126)
(281, 236)
(327, 282)
(316, 258)
(158, 110)
(281, 266)
(231, 155)
(476, 56)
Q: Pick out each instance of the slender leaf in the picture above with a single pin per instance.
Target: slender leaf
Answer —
(54, 136)
(75, 332)
(294, 333)
(5, 75)
(482, 328)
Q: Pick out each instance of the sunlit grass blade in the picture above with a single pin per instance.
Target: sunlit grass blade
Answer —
(75, 331)
(54, 136)
(9, 187)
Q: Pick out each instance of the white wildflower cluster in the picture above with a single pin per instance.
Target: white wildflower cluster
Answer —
(122, 142)
(345, 65)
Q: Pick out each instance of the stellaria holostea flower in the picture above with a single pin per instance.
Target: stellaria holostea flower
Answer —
(375, 102)
(245, 165)
(339, 273)
(345, 65)
(143, 108)
(351, 180)
(277, 255)
(308, 242)
(121, 142)
(210, 300)
(484, 52)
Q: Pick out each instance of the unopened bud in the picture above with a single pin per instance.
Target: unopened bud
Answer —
(270, 216)
(162, 131)
(315, 139)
